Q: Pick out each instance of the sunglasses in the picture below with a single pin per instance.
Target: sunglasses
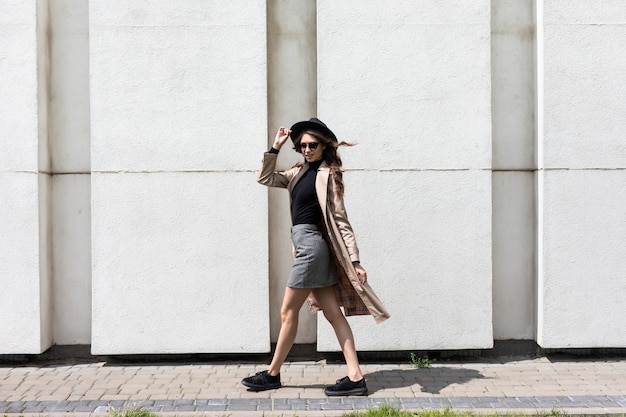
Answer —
(312, 146)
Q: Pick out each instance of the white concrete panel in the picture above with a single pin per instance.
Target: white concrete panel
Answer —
(179, 263)
(582, 12)
(410, 80)
(20, 286)
(180, 13)
(179, 224)
(71, 240)
(585, 84)
(25, 323)
(177, 86)
(18, 86)
(583, 288)
(514, 249)
(425, 240)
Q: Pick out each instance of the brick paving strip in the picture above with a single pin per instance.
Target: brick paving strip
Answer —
(523, 385)
(613, 405)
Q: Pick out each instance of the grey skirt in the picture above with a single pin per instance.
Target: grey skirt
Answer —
(312, 267)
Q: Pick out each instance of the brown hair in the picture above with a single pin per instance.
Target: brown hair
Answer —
(330, 155)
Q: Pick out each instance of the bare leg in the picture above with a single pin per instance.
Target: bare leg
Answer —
(328, 302)
(292, 302)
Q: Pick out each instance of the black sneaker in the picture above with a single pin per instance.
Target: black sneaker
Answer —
(262, 381)
(345, 387)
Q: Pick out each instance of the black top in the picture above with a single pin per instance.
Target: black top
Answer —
(305, 208)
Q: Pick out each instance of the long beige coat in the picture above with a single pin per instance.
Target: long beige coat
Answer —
(354, 297)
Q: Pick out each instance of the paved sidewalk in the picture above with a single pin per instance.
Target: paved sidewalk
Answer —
(590, 387)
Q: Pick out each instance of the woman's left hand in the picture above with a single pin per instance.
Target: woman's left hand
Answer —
(360, 272)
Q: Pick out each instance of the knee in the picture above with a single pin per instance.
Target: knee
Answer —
(288, 315)
(333, 315)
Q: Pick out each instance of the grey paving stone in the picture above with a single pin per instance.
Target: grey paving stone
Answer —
(334, 400)
(440, 402)
(28, 410)
(168, 409)
(300, 406)
(59, 408)
(83, 409)
(337, 406)
(264, 406)
(242, 407)
(184, 402)
(355, 400)
(102, 409)
(509, 402)
(218, 401)
(311, 400)
(185, 407)
(210, 408)
(244, 401)
(154, 408)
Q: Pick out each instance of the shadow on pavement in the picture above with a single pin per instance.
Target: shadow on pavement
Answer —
(431, 380)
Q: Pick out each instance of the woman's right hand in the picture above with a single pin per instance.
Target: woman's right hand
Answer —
(281, 137)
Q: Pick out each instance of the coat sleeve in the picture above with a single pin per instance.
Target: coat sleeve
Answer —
(343, 224)
(267, 176)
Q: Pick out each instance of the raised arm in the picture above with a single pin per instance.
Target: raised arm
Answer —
(267, 174)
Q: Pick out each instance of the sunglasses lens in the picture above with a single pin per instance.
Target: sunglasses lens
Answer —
(312, 146)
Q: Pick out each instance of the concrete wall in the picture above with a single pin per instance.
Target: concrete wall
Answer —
(582, 177)
(411, 84)
(25, 321)
(485, 188)
(179, 225)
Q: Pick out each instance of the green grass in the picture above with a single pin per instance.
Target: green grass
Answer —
(387, 411)
(421, 361)
(133, 412)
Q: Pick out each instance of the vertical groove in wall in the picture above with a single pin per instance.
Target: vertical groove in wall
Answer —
(43, 127)
(539, 39)
(69, 168)
(513, 164)
(292, 96)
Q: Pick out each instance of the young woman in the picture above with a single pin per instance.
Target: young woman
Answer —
(327, 269)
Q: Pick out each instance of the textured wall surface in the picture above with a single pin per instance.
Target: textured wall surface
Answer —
(179, 223)
(486, 188)
(582, 285)
(24, 183)
(411, 85)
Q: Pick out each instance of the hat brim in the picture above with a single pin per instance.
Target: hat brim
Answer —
(298, 128)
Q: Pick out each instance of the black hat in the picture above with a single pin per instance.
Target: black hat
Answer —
(311, 124)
